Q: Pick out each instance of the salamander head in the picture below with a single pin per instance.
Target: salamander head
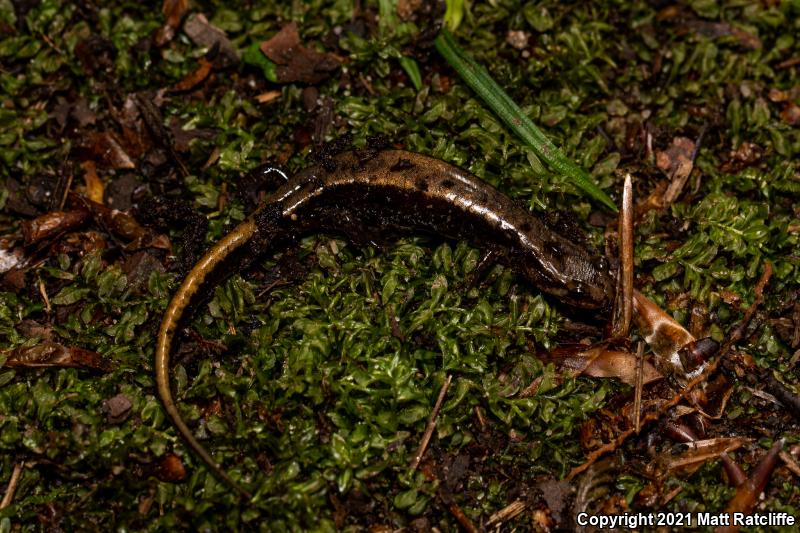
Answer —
(584, 281)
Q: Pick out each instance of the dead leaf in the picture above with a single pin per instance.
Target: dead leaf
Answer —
(117, 409)
(106, 146)
(695, 454)
(173, 11)
(677, 163)
(195, 77)
(723, 29)
(664, 335)
(170, 469)
(296, 63)
(50, 224)
(52, 354)
(137, 269)
(600, 362)
(269, 96)
(203, 33)
(80, 242)
(791, 114)
(407, 9)
(82, 113)
(14, 280)
(123, 225)
(182, 138)
(778, 95)
(748, 154)
(96, 54)
(94, 186)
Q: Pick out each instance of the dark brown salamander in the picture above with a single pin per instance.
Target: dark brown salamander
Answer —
(398, 191)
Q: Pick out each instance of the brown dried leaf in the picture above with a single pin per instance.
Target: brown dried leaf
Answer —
(295, 61)
(82, 113)
(124, 225)
(82, 243)
(677, 163)
(117, 409)
(269, 96)
(723, 29)
(778, 95)
(203, 33)
(13, 280)
(137, 269)
(94, 185)
(407, 9)
(49, 224)
(791, 114)
(748, 154)
(170, 469)
(106, 146)
(696, 454)
(48, 354)
(664, 335)
(195, 77)
(600, 362)
(182, 138)
(173, 11)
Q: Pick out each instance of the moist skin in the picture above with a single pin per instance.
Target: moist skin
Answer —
(367, 195)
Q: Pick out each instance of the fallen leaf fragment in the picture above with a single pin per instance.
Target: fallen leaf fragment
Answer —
(297, 63)
(94, 185)
(124, 225)
(173, 11)
(791, 114)
(117, 409)
(52, 354)
(195, 77)
(182, 138)
(600, 362)
(696, 454)
(407, 9)
(664, 335)
(83, 113)
(677, 163)
(170, 469)
(723, 29)
(138, 268)
(50, 224)
(105, 145)
(203, 33)
(778, 95)
(269, 96)
(747, 154)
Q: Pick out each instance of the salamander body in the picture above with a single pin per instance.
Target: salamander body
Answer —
(364, 194)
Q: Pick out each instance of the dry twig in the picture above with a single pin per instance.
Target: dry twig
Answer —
(16, 474)
(426, 437)
(637, 396)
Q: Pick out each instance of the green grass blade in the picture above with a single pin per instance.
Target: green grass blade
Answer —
(479, 80)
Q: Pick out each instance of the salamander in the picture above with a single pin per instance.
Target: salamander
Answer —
(365, 193)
